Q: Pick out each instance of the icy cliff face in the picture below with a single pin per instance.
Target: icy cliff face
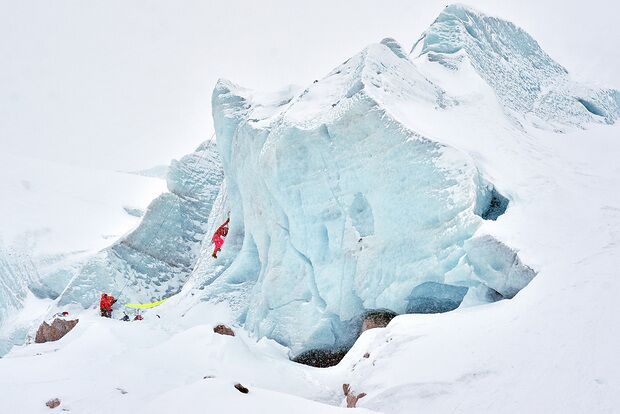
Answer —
(338, 208)
(153, 261)
(528, 83)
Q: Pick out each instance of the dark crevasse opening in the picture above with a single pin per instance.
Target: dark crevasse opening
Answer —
(328, 357)
(321, 358)
(591, 107)
(496, 205)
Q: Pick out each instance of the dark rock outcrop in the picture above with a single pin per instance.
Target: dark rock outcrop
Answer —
(223, 330)
(53, 403)
(241, 388)
(350, 396)
(55, 331)
(377, 319)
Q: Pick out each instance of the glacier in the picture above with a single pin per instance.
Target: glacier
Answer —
(530, 85)
(149, 263)
(52, 219)
(345, 197)
(154, 260)
(338, 209)
(407, 186)
(339, 205)
(344, 202)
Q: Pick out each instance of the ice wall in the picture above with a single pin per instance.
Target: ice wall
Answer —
(338, 209)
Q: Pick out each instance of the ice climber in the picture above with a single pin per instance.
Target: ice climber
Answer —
(217, 239)
(105, 305)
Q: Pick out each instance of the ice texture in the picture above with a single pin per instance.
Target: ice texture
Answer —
(528, 82)
(432, 297)
(337, 208)
(154, 260)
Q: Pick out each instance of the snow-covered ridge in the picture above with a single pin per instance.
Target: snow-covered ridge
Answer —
(528, 83)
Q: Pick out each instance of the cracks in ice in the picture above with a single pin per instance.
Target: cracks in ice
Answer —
(311, 277)
(149, 254)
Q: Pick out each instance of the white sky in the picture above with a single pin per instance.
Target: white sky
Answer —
(126, 84)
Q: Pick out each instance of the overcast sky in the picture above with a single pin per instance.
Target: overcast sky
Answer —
(126, 84)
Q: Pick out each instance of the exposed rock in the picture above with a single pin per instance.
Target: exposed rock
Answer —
(366, 355)
(320, 358)
(377, 319)
(241, 388)
(350, 396)
(223, 330)
(55, 331)
(53, 403)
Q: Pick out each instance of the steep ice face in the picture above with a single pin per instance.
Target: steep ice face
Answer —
(338, 209)
(154, 260)
(528, 82)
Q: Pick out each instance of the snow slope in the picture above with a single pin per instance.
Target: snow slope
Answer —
(170, 364)
(52, 218)
(553, 348)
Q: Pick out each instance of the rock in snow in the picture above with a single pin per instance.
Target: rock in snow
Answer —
(53, 403)
(377, 319)
(223, 330)
(351, 397)
(55, 331)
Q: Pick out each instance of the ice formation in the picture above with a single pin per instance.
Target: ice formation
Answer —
(153, 261)
(343, 198)
(528, 83)
(338, 208)
(433, 297)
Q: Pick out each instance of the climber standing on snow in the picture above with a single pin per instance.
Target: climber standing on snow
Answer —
(105, 305)
(217, 239)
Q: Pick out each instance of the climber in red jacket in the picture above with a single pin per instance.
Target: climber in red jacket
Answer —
(217, 239)
(105, 305)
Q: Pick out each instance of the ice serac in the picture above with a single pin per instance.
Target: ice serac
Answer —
(155, 259)
(338, 209)
(528, 82)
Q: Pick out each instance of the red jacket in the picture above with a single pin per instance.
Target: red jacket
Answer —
(106, 302)
(222, 231)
